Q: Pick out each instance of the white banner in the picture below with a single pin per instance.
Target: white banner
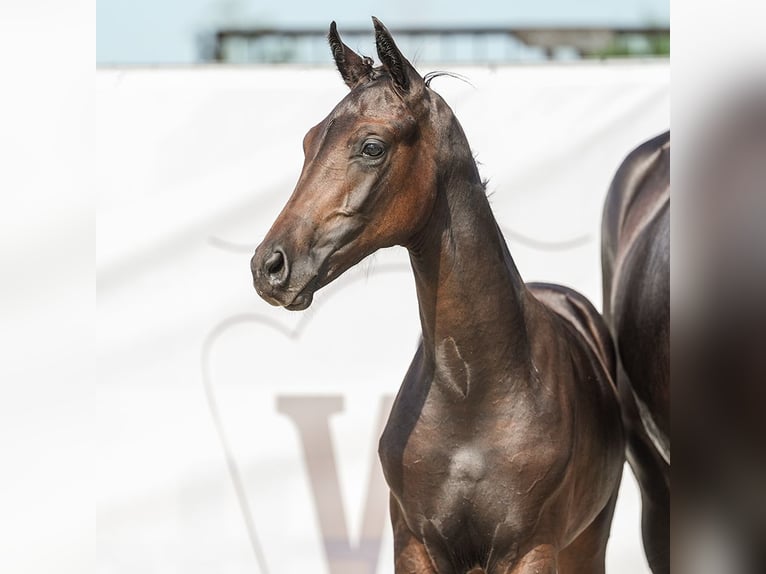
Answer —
(192, 167)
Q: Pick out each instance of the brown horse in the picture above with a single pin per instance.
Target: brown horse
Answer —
(636, 273)
(504, 448)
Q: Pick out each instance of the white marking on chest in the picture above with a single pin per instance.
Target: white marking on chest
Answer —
(452, 369)
(467, 464)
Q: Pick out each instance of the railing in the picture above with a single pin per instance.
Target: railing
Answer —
(452, 45)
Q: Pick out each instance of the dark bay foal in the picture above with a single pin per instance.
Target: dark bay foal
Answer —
(504, 447)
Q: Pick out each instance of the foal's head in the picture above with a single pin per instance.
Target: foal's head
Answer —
(368, 179)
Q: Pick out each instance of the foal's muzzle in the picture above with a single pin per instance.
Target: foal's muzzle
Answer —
(271, 268)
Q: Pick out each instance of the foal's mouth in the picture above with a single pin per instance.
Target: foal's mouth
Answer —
(303, 299)
(300, 301)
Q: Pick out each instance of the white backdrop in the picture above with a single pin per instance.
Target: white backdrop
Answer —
(192, 166)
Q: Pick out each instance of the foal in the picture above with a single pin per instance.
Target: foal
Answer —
(504, 448)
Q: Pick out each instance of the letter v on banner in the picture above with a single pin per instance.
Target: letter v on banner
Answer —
(311, 416)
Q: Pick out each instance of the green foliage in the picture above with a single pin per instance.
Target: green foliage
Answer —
(636, 46)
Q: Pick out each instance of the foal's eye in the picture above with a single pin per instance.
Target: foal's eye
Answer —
(372, 149)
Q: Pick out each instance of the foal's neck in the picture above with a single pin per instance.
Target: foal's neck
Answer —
(470, 294)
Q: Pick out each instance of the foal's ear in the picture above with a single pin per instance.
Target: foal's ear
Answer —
(402, 72)
(352, 66)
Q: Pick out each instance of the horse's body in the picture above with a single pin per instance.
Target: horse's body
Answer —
(498, 474)
(504, 447)
(636, 268)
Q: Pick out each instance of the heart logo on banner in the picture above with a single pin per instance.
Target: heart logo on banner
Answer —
(273, 390)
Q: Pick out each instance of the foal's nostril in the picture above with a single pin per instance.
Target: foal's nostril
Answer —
(275, 263)
(275, 266)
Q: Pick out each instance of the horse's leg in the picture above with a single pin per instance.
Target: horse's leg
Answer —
(651, 472)
(655, 526)
(587, 553)
(410, 554)
(655, 505)
(541, 559)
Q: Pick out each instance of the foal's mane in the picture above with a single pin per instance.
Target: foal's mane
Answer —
(439, 73)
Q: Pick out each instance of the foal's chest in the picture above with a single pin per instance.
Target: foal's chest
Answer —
(456, 475)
